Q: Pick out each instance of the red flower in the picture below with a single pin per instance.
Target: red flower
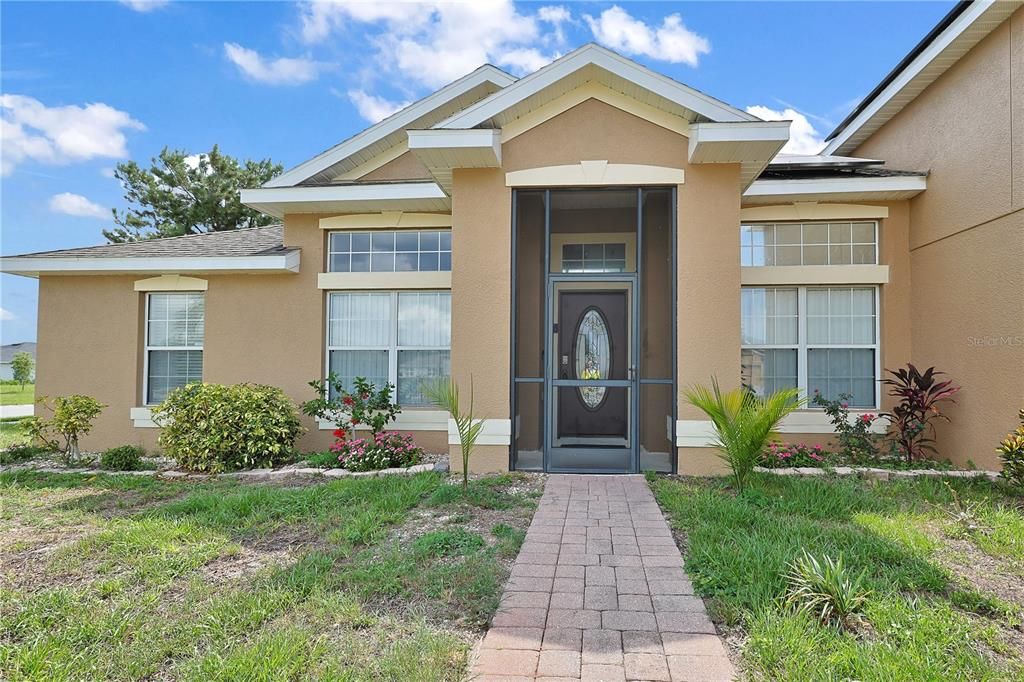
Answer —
(348, 400)
(339, 433)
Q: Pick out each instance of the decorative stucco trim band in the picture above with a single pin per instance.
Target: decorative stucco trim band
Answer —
(171, 283)
(384, 280)
(810, 210)
(385, 220)
(142, 418)
(494, 432)
(815, 274)
(588, 173)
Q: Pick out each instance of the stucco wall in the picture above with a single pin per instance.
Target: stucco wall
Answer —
(967, 235)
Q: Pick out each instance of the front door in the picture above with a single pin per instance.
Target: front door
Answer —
(591, 390)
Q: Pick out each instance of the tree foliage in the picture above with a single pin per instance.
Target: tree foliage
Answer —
(181, 194)
(22, 365)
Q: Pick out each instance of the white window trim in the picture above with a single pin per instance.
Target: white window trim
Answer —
(802, 346)
(803, 244)
(392, 348)
(146, 348)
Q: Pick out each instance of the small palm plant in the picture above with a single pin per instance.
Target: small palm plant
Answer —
(744, 422)
(826, 590)
(445, 394)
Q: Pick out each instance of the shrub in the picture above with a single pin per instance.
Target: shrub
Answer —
(379, 451)
(211, 427)
(826, 590)
(123, 458)
(72, 418)
(781, 455)
(914, 415)
(1011, 452)
(744, 422)
(19, 452)
(364, 405)
(857, 444)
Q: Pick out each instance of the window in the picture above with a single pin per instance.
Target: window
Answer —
(381, 251)
(401, 338)
(174, 342)
(815, 338)
(594, 257)
(809, 244)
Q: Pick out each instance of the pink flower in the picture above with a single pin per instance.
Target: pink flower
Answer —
(867, 418)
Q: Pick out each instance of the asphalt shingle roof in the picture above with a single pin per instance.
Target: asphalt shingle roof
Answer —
(253, 241)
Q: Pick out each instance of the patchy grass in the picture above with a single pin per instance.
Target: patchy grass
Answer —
(926, 617)
(127, 578)
(14, 394)
(12, 432)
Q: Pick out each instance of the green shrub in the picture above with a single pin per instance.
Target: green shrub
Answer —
(380, 451)
(1011, 452)
(72, 418)
(826, 590)
(211, 427)
(19, 452)
(123, 458)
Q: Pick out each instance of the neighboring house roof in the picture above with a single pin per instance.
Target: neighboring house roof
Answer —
(959, 31)
(7, 352)
(256, 249)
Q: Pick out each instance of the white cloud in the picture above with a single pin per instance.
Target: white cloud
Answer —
(434, 43)
(280, 71)
(555, 15)
(107, 172)
(803, 138)
(372, 107)
(30, 130)
(6, 315)
(77, 205)
(670, 42)
(145, 5)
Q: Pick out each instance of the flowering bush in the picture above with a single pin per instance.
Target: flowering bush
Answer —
(364, 404)
(1011, 452)
(857, 443)
(379, 451)
(795, 455)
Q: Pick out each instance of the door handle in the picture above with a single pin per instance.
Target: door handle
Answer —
(632, 373)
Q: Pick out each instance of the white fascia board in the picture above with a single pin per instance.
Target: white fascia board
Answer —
(390, 196)
(396, 122)
(33, 267)
(476, 138)
(596, 55)
(740, 131)
(811, 187)
(977, 10)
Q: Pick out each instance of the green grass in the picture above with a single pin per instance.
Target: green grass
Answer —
(14, 394)
(923, 623)
(227, 581)
(12, 432)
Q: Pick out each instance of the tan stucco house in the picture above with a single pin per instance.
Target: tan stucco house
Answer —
(585, 241)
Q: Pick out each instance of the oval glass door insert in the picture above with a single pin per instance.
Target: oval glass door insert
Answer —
(593, 356)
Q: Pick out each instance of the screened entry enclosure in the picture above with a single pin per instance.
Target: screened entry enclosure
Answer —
(593, 334)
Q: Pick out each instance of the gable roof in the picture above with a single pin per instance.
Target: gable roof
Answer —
(253, 241)
(390, 132)
(959, 31)
(593, 62)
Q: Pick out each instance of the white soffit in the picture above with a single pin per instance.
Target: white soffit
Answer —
(593, 63)
(445, 149)
(33, 267)
(358, 198)
(378, 139)
(892, 188)
(752, 144)
(966, 31)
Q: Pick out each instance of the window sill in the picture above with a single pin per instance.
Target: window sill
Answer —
(384, 280)
(699, 433)
(142, 418)
(411, 419)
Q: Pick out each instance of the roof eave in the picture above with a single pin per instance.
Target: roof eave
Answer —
(29, 266)
(353, 198)
(853, 189)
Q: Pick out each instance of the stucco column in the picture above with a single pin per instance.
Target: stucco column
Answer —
(708, 294)
(481, 307)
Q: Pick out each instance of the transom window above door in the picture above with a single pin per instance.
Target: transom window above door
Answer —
(390, 251)
(603, 257)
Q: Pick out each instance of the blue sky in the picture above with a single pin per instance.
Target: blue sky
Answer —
(85, 85)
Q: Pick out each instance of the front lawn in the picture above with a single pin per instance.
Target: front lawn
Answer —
(946, 579)
(126, 578)
(14, 394)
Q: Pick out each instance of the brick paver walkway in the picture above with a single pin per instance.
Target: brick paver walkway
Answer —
(598, 592)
